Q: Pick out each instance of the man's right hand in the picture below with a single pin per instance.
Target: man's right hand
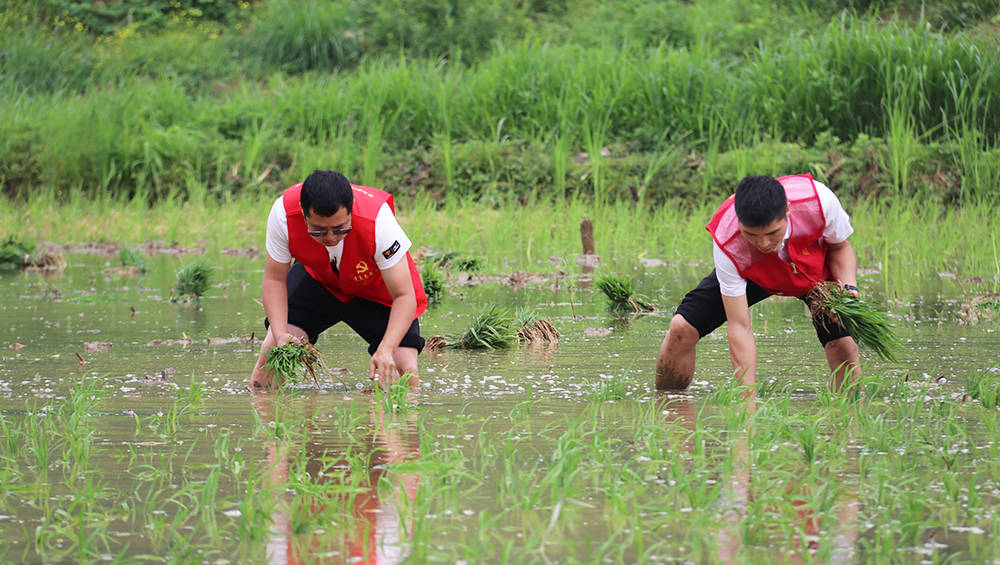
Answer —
(286, 338)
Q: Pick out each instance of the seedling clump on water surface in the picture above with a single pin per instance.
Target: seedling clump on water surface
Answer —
(288, 360)
(492, 329)
(433, 281)
(869, 327)
(193, 279)
(622, 296)
(15, 254)
(532, 329)
(133, 257)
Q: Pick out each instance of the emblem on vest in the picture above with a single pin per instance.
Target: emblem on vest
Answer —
(362, 272)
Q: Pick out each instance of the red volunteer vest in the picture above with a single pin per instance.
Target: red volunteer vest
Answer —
(807, 255)
(358, 275)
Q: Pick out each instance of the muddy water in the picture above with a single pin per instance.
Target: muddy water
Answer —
(475, 415)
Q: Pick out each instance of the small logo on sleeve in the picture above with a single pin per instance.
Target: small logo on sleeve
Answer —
(392, 250)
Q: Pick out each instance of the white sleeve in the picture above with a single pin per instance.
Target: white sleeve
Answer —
(838, 224)
(730, 281)
(277, 233)
(391, 243)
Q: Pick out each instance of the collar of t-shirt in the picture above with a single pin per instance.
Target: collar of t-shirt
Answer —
(335, 253)
(783, 246)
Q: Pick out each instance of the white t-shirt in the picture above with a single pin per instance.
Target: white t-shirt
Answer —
(388, 234)
(837, 229)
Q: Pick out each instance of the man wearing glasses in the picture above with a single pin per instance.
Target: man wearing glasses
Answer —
(352, 265)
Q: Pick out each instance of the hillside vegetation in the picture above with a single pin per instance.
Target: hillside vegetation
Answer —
(487, 100)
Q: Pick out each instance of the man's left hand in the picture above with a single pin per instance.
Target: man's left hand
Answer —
(383, 365)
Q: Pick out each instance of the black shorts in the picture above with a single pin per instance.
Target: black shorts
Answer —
(703, 309)
(314, 309)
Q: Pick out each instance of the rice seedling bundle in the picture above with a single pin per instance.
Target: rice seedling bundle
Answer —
(433, 281)
(133, 257)
(193, 279)
(869, 327)
(288, 360)
(14, 254)
(492, 329)
(532, 329)
(621, 294)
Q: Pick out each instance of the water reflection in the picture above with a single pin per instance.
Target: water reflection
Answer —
(337, 502)
(788, 515)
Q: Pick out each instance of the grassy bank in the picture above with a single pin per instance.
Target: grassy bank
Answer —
(874, 104)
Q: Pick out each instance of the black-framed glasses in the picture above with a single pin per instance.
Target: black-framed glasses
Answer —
(333, 231)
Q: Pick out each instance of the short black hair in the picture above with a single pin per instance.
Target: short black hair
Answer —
(325, 192)
(760, 200)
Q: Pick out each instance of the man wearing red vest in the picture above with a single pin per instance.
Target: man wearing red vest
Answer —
(352, 265)
(774, 236)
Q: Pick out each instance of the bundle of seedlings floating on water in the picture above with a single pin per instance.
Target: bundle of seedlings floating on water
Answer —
(133, 259)
(532, 329)
(432, 280)
(492, 329)
(288, 360)
(193, 279)
(16, 254)
(869, 327)
(621, 296)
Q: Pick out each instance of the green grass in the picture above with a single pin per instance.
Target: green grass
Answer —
(184, 112)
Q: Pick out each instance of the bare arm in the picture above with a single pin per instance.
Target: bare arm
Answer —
(842, 262)
(401, 314)
(742, 345)
(274, 295)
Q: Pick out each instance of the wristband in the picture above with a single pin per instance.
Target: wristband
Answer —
(851, 287)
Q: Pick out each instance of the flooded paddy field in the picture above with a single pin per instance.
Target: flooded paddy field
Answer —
(127, 433)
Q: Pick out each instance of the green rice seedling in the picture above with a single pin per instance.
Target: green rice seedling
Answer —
(869, 327)
(395, 400)
(134, 258)
(621, 295)
(15, 254)
(985, 388)
(433, 281)
(288, 360)
(492, 329)
(193, 279)
(608, 390)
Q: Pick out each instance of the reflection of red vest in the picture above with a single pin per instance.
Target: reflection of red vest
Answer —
(807, 255)
(358, 275)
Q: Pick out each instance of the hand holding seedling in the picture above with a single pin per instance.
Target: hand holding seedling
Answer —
(384, 366)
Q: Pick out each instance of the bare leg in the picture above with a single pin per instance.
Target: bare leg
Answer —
(675, 363)
(406, 362)
(842, 356)
(261, 376)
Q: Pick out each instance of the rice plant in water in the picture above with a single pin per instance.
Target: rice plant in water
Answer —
(14, 254)
(984, 388)
(193, 279)
(621, 295)
(492, 329)
(288, 360)
(134, 258)
(394, 400)
(869, 327)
